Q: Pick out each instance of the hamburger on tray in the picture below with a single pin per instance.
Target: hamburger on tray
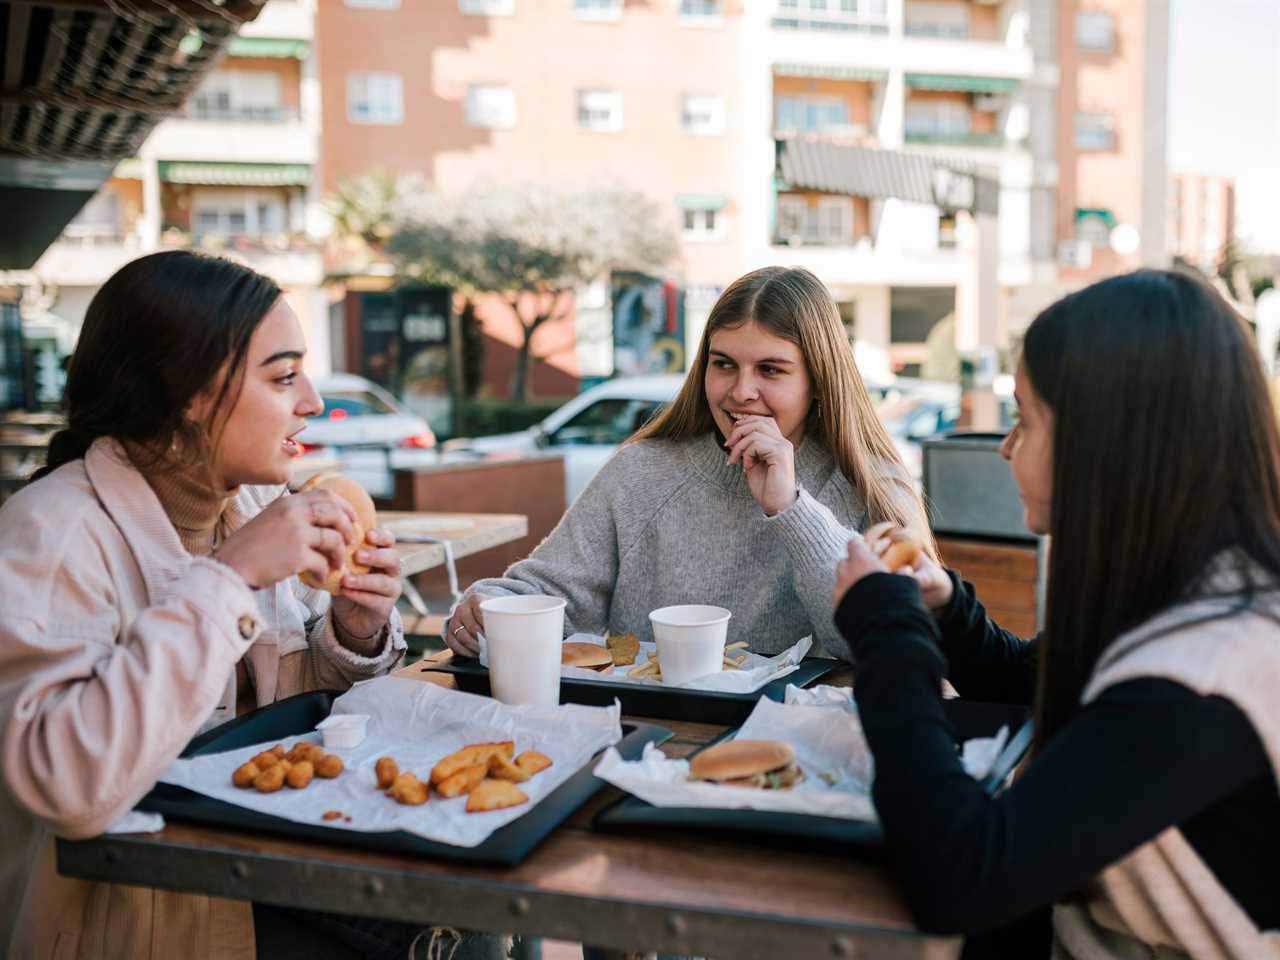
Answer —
(765, 764)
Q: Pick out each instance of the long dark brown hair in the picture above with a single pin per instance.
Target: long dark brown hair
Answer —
(793, 304)
(156, 334)
(1165, 452)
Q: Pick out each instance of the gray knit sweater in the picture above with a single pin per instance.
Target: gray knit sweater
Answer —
(668, 522)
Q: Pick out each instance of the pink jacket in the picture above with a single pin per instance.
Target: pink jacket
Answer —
(116, 646)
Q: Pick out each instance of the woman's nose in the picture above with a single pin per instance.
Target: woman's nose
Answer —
(744, 389)
(1006, 445)
(309, 403)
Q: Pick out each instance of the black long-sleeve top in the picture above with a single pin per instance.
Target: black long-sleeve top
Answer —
(1147, 754)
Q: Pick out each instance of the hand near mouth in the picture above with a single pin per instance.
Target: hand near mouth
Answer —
(769, 460)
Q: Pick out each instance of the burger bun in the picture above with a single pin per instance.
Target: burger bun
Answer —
(366, 520)
(740, 760)
(590, 656)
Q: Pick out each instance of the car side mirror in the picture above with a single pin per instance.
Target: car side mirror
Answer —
(540, 436)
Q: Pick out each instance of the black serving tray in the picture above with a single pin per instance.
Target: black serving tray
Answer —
(298, 715)
(970, 719)
(651, 700)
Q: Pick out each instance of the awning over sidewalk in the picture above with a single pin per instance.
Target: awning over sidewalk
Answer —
(269, 48)
(964, 84)
(236, 174)
(825, 167)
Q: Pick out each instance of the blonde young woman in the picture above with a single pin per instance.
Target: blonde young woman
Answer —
(742, 493)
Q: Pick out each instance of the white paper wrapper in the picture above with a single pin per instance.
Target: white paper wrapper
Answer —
(416, 723)
(755, 672)
(829, 746)
(821, 724)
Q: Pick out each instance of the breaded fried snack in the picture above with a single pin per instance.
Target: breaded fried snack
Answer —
(469, 755)
(409, 790)
(533, 762)
(387, 771)
(245, 775)
(269, 780)
(300, 775)
(462, 781)
(329, 766)
(623, 649)
(495, 795)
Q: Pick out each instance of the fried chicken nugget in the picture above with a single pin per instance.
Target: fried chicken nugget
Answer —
(495, 795)
(462, 781)
(278, 750)
(300, 775)
(387, 771)
(469, 755)
(329, 766)
(500, 768)
(269, 780)
(409, 790)
(533, 762)
(245, 775)
(265, 759)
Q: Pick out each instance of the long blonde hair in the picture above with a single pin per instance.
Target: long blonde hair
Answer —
(793, 304)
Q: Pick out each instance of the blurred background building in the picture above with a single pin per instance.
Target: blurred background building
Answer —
(947, 167)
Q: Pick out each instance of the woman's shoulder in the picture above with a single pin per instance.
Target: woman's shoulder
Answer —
(50, 509)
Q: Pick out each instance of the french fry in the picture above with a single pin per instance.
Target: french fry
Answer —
(738, 645)
(464, 780)
(495, 795)
(500, 768)
(469, 756)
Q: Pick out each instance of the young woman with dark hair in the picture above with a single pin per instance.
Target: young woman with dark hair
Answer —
(1148, 815)
(741, 493)
(149, 589)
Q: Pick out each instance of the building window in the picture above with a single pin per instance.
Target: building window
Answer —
(937, 18)
(239, 214)
(252, 95)
(487, 8)
(1095, 31)
(700, 10)
(99, 219)
(597, 9)
(947, 235)
(490, 105)
(375, 4)
(811, 115)
(600, 110)
(702, 224)
(937, 119)
(829, 222)
(375, 98)
(703, 115)
(1095, 131)
(869, 16)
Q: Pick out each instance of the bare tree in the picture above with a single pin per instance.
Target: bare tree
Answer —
(532, 245)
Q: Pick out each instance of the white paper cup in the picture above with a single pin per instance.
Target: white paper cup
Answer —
(690, 640)
(522, 640)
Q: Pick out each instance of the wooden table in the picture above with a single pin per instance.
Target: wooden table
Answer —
(466, 533)
(679, 894)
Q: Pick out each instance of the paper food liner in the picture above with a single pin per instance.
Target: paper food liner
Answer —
(417, 724)
(821, 725)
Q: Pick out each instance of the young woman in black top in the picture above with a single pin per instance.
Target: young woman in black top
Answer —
(1147, 447)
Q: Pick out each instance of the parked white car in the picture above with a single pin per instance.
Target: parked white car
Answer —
(364, 432)
(587, 429)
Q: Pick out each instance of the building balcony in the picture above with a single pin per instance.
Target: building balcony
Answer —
(235, 140)
(1011, 57)
(863, 263)
(956, 139)
(86, 258)
(290, 259)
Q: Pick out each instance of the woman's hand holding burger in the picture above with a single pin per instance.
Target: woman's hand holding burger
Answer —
(887, 549)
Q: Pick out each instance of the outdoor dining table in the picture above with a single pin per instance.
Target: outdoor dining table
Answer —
(714, 896)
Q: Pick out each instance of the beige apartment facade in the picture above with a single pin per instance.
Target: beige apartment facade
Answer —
(1202, 218)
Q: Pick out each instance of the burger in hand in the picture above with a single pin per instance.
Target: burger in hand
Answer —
(893, 545)
(765, 764)
(360, 501)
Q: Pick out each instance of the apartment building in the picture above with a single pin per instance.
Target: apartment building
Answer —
(234, 174)
(1202, 218)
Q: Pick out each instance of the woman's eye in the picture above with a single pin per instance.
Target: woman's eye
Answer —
(721, 364)
(287, 379)
(770, 371)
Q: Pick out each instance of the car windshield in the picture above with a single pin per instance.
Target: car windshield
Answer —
(339, 406)
(606, 421)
